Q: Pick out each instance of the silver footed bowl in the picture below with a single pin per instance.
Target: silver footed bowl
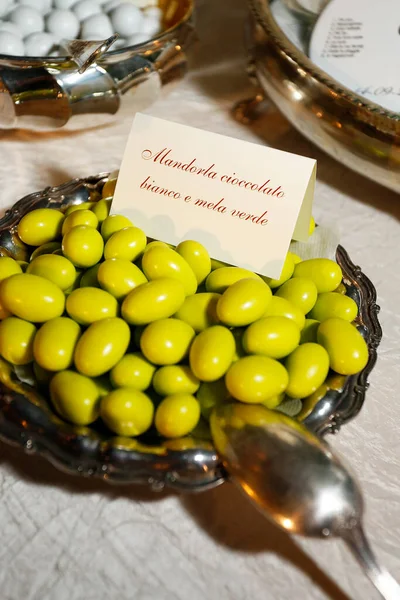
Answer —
(358, 133)
(28, 420)
(45, 93)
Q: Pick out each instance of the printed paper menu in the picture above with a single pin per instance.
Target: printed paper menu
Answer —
(244, 202)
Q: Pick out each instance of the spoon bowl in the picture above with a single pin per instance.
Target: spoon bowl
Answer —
(296, 480)
(289, 472)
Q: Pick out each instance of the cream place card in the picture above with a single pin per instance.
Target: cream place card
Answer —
(244, 202)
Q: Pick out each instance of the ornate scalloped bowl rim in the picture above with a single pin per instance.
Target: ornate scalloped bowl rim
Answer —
(261, 11)
(35, 427)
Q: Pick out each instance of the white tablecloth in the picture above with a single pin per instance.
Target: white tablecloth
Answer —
(64, 538)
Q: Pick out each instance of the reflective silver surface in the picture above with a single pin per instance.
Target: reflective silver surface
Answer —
(46, 93)
(358, 133)
(85, 53)
(296, 480)
(191, 464)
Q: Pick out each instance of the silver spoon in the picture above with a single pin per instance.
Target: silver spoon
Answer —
(296, 480)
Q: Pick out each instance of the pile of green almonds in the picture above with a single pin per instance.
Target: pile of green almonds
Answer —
(143, 335)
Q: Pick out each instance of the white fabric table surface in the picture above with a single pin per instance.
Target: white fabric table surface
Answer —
(65, 538)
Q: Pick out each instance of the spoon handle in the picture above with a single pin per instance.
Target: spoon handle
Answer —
(358, 544)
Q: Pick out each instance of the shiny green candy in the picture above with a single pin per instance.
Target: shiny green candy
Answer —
(280, 307)
(127, 411)
(79, 217)
(75, 397)
(211, 353)
(155, 243)
(82, 206)
(199, 310)
(87, 305)
(331, 304)
(177, 415)
(83, 246)
(40, 226)
(48, 248)
(159, 262)
(175, 379)
(112, 224)
(16, 340)
(8, 267)
(101, 346)
(275, 337)
(287, 272)
(57, 269)
(102, 209)
(133, 371)
(347, 349)
(55, 343)
(254, 379)
(325, 273)
(301, 292)
(127, 243)
(154, 300)
(220, 279)
(243, 302)
(166, 341)
(119, 276)
(31, 297)
(307, 367)
(197, 258)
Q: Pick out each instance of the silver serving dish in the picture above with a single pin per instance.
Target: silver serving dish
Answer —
(360, 134)
(46, 93)
(27, 419)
